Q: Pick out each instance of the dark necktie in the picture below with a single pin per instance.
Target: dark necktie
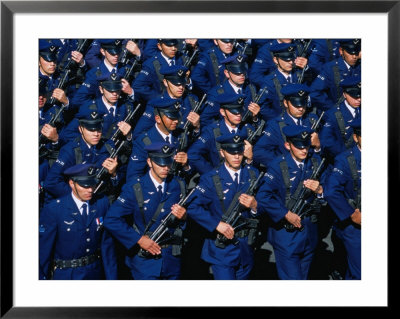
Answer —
(240, 91)
(233, 131)
(236, 180)
(84, 214)
(111, 111)
(357, 113)
(289, 79)
(167, 139)
(159, 191)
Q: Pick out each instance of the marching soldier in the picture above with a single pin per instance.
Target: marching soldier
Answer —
(292, 237)
(72, 241)
(146, 201)
(343, 193)
(232, 257)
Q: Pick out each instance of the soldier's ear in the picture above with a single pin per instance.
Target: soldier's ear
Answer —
(159, 46)
(221, 152)
(165, 82)
(103, 52)
(287, 146)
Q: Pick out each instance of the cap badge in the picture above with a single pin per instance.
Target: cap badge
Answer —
(240, 58)
(290, 49)
(52, 48)
(304, 134)
(165, 149)
(91, 171)
(240, 100)
(236, 138)
(117, 42)
(301, 93)
(113, 76)
(356, 41)
(177, 105)
(180, 72)
(94, 115)
(359, 85)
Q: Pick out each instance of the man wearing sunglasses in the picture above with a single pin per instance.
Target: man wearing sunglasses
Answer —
(147, 200)
(326, 89)
(296, 102)
(209, 70)
(235, 71)
(233, 259)
(167, 116)
(88, 147)
(149, 83)
(72, 242)
(284, 56)
(337, 133)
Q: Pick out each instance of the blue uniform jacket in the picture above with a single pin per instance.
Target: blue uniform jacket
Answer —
(211, 109)
(127, 205)
(339, 187)
(324, 91)
(271, 143)
(54, 183)
(62, 236)
(109, 122)
(330, 136)
(203, 76)
(206, 210)
(203, 154)
(271, 200)
(147, 83)
(271, 104)
(137, 165)
(147, 120)
(90, 87)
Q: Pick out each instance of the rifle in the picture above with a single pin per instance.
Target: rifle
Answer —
(127, 119)
(298, 207)
(183, 140)
(303, 54)
(189, 61)
(315, 125)
(71, 64)
(256, 100)
(159, 232)
(43, 139)
(234, 214)
(252, 137)
(100, 176)
(123, 58)
(130, 71)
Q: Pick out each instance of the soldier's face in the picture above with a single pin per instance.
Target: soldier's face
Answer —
(296, 112)
(159, 172)
(47, 68)
(232, 160)
(226, 48)
(42, 101)
(299, 154)
(166, 123)
(80, 192)
(237, 79)
(351, 59)
(168, 51)
(111, 97)
(111, 58)
(234, 119)
(91, 137)
(285, 40)
(176, 91)
(284, 66)
(354, 102)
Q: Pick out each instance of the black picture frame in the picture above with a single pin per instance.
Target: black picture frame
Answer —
(9, 8)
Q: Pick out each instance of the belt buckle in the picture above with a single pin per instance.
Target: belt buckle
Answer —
(74, 263)
(85, 261)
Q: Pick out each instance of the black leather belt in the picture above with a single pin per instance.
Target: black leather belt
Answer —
(73, 263)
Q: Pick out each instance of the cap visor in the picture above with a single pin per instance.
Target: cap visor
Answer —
(234, 149)
(86, 182)
(92, 126)
(162, 161)
(235, 111)
(49, 57)
(112, 87)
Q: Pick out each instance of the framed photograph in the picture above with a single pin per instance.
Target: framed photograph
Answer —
(24, 22)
